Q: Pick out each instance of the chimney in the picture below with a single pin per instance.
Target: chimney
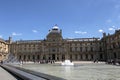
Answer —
(104, 34)
(10, 40)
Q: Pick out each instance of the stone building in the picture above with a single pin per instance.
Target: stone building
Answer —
(54, 47)
(112, 45)
(3, 49)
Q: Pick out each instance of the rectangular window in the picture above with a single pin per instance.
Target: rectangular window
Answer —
(80, 49)
(91, 49)
(24, 48)
(86, 49)
(75, 48)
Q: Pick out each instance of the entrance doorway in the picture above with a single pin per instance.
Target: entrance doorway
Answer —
(63, 57)
(115, 56)
(53, 56)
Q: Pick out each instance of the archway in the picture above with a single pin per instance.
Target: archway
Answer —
(70, 56)
(44, 57)
(20, 57)
(24, 58)
(38, 57)
(101, 56)
(115, 56)
(53, 56)
(63, 57)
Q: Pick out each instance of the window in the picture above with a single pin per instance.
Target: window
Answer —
(75, 48)
(76, 57)
(24, 48)
(81, 56)
(25, 45)
(53, 39)
(29, 57)
(53, 50)
(20, 57)
(91, 56)
(33, 48)
(91, 49)
(34, 45)
(29, 45)
(86, 49)
(38, 57)
(70, 49)
(101, 56)
(115, 56)
(81, 49)
(24, 57)
(33, 57)
(100, 49)
(86, 56)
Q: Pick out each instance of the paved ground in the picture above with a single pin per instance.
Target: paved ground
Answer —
(4, 75)
(82, 70)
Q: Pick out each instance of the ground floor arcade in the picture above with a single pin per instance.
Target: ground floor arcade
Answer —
(60, 57)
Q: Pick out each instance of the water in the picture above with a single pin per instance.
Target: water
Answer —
(91, 71)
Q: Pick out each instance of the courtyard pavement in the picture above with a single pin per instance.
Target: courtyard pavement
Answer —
(82, 70)
(4, 75)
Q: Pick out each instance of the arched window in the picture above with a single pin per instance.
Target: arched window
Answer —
(38, 57)
(28, 57)
(81, 56)
(20, 57)
(91, 56)
(115, 56)
(101, 56)
(44, 57)
(86, 56)
(63, 57)
(33, 57)
(24, 57)
(76, 57)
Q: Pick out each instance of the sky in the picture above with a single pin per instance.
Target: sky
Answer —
(32, 19)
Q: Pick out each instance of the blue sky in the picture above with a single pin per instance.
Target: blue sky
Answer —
(31, 19)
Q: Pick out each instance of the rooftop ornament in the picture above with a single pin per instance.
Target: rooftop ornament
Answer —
(55, 27)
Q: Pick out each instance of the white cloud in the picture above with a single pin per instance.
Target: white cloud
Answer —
(111, 29)
(113, 26)
(100, 30)
(80, 32)
(16, 34)
(35, 31)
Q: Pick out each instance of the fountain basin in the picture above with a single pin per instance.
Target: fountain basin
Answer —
(67, 63)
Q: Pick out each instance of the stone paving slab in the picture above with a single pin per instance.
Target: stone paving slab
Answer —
(4, 75)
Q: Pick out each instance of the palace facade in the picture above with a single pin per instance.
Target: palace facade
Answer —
(54, 47)
(112, 45)
(3, 49)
